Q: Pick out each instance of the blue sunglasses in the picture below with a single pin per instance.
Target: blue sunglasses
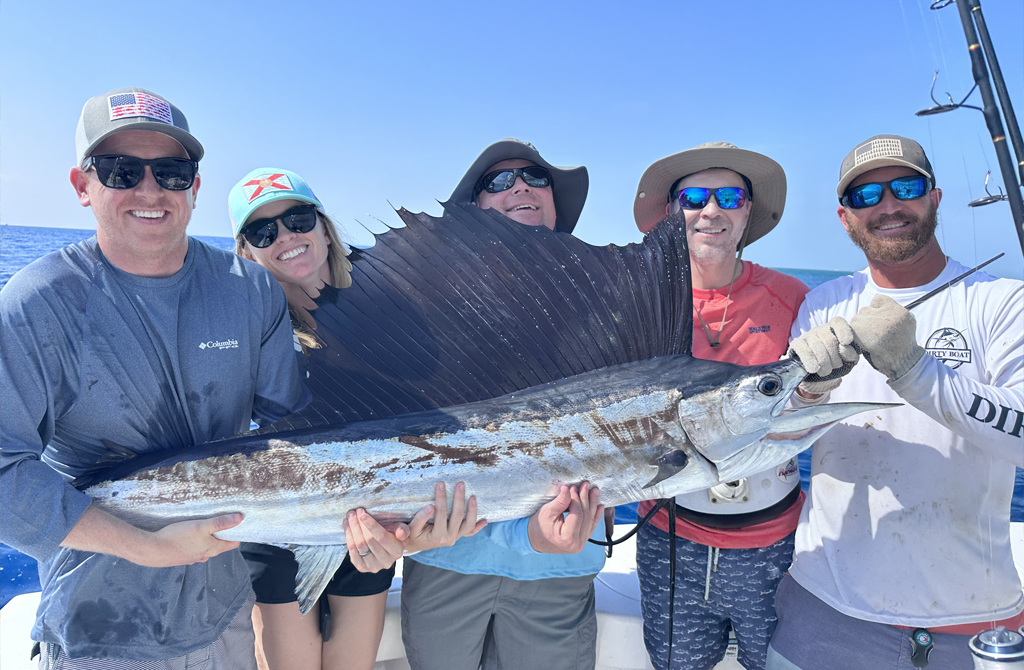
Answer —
(727, 197)
(869, 195)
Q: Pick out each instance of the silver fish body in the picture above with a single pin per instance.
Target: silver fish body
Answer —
(613, 427)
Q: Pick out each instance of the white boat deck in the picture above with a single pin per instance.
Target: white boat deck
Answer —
(619, 626)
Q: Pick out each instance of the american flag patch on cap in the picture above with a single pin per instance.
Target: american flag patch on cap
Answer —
(265, 183)
(125, 105)
(880, 148)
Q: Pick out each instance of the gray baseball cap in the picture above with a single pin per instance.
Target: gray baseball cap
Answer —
(131, 109)
(569, 185)
(882, 151)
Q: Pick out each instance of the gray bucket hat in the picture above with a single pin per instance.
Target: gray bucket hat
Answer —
(883, 151)
(131, 109)
(569, 185)
(767, 179)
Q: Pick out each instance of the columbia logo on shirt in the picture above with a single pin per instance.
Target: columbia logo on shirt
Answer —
(222, 344)
(759, 329)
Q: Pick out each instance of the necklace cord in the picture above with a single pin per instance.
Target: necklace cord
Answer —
(716, 341)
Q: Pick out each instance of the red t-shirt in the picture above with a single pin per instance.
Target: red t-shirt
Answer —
(760, 313)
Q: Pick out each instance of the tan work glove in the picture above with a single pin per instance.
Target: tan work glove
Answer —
(887, 334)
(822, 350)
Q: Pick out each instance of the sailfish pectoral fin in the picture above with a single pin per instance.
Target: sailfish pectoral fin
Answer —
(669, 464)
(317, 565)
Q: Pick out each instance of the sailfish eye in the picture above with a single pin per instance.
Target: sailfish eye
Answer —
(770, 385)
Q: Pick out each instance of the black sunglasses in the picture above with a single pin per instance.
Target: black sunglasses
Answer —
(261, 233)
(869, 195)
(502, 180)
(124, 172)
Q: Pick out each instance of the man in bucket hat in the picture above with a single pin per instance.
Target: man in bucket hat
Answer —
(512, 177)
(138, 341)
(903, 553)
(734, 541)
(518, 594)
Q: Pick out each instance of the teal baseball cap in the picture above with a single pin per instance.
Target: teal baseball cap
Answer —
(264, 185)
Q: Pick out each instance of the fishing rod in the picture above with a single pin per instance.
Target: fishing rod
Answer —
(1000, 86)
(979, 46)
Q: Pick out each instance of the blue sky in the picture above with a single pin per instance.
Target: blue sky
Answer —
(391, 101)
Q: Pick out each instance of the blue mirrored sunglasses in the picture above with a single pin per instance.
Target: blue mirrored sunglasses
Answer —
(869, 195)
(727, 197)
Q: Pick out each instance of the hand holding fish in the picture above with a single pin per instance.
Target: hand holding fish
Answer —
(887, 333)
(180, 543)
(822, 351)
(372, 548)
(563, 525)
(188, 542)
(462, 522)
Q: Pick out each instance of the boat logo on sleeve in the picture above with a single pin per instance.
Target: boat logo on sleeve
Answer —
(949, 346)
(266, 183)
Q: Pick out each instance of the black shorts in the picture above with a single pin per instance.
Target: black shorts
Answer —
(273, 572)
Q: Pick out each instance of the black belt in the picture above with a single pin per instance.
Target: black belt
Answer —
(730, 521)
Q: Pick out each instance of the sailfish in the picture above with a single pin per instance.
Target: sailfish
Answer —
(512, 358)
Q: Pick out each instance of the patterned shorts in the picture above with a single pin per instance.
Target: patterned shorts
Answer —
(740, 592)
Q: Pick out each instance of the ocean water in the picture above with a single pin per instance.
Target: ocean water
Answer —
(20, 245)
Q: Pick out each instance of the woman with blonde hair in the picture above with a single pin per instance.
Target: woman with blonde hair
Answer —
(279, 223)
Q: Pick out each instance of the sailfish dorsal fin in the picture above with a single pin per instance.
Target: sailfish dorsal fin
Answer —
(473, 305)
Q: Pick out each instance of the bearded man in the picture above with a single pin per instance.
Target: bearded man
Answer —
(902, 551)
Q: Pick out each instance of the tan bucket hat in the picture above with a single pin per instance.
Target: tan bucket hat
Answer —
(569, 185)
(767, 178)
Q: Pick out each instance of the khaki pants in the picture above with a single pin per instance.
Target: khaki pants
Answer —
(452, 621)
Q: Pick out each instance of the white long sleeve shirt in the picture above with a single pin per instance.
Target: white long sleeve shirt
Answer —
(907, 521)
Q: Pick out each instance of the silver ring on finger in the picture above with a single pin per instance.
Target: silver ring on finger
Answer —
(362, 555)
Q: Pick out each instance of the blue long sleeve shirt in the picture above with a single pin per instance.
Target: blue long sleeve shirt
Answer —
(504, 549)
(96, 365)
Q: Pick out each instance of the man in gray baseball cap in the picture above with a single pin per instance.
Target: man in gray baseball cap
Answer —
(135, 109)
(520, 594)
(105, 359)
(902, 551)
